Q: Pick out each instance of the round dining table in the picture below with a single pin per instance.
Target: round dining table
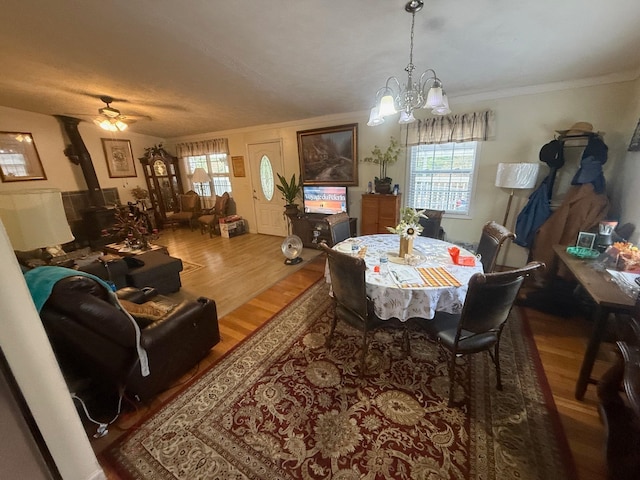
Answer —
(433, 282)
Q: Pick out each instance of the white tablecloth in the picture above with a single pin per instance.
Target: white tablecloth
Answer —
(393, 301)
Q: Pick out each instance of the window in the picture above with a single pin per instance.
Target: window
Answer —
(217, 166)
(441, 176)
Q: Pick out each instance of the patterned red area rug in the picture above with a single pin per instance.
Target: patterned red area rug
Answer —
(281, 405)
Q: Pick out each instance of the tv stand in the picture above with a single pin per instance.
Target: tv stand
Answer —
(313, 229)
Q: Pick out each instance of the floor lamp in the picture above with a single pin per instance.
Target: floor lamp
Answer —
(200, 176)
(516, 176)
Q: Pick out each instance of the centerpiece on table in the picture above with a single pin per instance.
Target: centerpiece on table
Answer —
(408, 229)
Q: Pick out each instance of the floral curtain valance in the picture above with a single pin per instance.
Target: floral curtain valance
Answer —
(203, 147)
(452, 128)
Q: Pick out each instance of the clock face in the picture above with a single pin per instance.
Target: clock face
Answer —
(159, 168)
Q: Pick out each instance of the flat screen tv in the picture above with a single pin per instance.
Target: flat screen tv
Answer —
(324, 199)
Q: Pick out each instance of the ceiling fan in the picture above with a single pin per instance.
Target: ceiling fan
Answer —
(110, 118)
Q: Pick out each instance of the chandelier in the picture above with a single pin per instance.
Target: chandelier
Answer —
(427, 92)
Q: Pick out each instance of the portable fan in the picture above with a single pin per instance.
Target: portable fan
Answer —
(292, 248)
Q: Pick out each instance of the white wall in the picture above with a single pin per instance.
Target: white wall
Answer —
(524, 123)
(60, 171)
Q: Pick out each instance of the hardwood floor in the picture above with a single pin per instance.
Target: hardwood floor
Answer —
(251, 266)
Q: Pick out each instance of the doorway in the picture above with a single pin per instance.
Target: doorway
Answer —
(265, 161)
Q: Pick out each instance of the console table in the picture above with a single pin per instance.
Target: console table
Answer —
(608, 297)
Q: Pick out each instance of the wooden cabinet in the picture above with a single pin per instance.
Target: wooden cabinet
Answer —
(163, 182)
(313, 229)
(379, 212)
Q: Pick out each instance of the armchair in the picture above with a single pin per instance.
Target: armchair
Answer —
(211, 218)
(189, 209)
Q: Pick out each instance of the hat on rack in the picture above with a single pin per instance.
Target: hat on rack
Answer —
(578, 128)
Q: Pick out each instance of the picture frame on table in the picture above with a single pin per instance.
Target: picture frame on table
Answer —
(19, 159)
(586, 240)
(119, 157)
(329, 156)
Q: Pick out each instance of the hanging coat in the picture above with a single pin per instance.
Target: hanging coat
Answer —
(533, 215)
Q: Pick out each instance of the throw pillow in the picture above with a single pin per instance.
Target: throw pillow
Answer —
(148, 311)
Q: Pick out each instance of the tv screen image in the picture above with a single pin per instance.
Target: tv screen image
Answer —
(324, 199)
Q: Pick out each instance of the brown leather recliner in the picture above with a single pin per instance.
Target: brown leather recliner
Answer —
(93, 337)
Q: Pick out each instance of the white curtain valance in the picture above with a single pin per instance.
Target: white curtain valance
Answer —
(203, 147)
(452, 128)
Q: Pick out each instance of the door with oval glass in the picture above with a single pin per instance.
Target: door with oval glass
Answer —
(265, 161)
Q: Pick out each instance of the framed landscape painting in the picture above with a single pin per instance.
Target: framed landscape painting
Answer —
(329, 156)
(119, 157)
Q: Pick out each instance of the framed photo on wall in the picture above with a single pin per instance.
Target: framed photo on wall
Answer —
(329, 156)
(119, 157)
(238, 166)
(19, 159)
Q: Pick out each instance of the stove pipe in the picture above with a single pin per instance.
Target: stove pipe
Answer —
(77, 152)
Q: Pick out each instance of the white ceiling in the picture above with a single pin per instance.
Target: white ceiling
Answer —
(197, 66)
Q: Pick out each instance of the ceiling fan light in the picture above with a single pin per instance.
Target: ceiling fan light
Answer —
(386, 106)
(375, 118)
(406, 118)
(120, 125)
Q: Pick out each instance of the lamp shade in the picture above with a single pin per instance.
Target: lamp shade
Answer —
(517, 175)
(34, 218)
(200, 176)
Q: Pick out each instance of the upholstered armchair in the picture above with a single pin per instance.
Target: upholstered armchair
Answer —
(189, 209)
(211, 216)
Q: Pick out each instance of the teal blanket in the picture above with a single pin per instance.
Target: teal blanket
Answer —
(41, 281)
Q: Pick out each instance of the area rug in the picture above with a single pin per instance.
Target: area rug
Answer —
(282, 405)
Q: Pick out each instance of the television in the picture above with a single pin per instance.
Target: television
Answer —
(324, 199)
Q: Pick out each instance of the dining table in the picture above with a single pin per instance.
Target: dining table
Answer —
(417, 286)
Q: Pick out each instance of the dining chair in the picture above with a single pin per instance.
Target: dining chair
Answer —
(351, 303)
(478, 328)
(431, 225)
(339, 228)
(492, 238)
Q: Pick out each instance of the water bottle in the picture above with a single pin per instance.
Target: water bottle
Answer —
(384, 265)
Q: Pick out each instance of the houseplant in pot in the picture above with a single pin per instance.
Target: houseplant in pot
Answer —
(383, 159)
(290, 191)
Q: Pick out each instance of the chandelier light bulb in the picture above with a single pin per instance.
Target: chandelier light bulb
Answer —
(386, 106)
(375, 118)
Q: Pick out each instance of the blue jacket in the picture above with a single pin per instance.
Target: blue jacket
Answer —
(533, 215)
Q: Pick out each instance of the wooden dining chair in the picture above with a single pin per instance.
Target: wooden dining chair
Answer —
(339, 228)
(484, 314)
(431, 225)
(351, 303)
(491, 240)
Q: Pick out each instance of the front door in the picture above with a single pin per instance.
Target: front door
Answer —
(265, 161)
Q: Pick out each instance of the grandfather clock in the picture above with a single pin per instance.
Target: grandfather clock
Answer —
(163, 182)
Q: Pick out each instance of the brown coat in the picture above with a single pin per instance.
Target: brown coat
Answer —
(581, 210)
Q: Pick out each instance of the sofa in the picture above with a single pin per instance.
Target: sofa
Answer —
(94, 339)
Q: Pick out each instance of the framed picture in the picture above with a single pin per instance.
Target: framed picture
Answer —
(634, 145)
(586, 240)
(238, 166)
(119, 157)
(19, 159)
(329, 156)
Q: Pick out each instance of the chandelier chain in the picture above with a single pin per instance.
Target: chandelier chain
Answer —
(409, 69)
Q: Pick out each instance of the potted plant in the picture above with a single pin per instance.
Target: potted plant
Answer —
(290, 191)
(156, 150)
(384, 159)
